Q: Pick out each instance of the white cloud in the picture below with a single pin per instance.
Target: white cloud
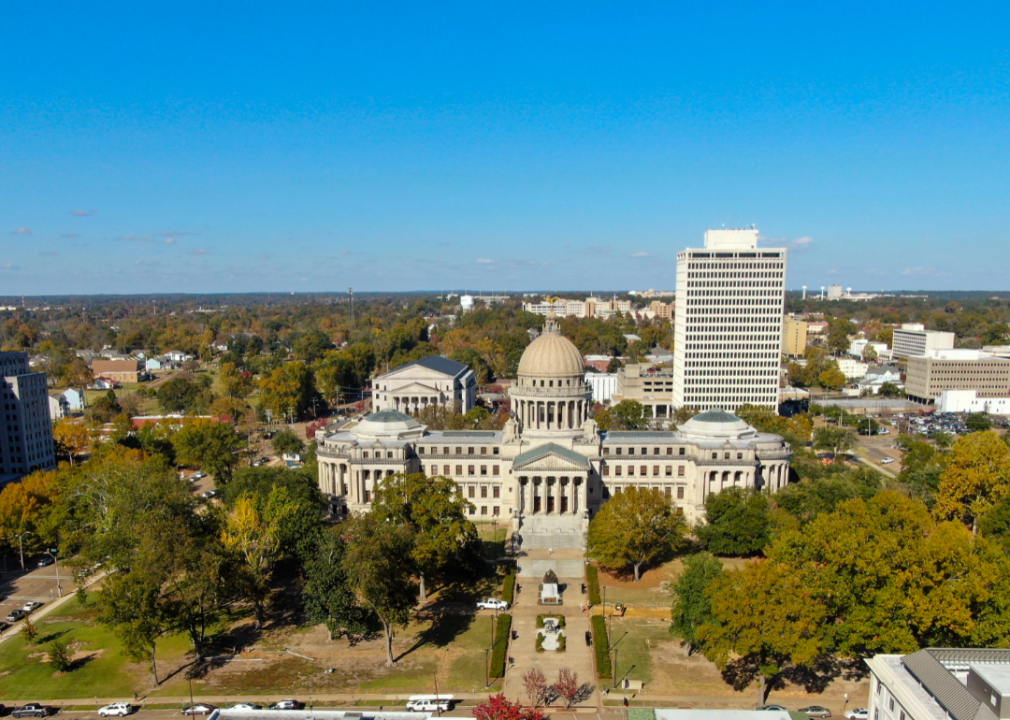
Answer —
(639, 254)
(199, 251)
(81, 213)
(22, 231)
(177, 233)
(169, 241)
(134, 238)
(10, 266)
(485, 261)
(801, 243)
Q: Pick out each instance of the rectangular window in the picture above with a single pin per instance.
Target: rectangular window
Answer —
(680, 493)
(445, 451)
(364, 454)
(643, 471)
(655, 451)
(459, 469)
(495, 470)
(420, 451)
(495, 451)
(681, 451)
(459, 451)
(483, 451)
(631, 470)
(483, 470)
(617, 471)
(471, 470)
(494, 510)
(445, 470)
(496, 493)
(606, 451)
(617, 490)
(469, 451)
(471, 491)
(606, 470)
(631, 451)
(739, 456)
(483, 491)
(619, 451)
(669, 451)
(669, 470)
(669, 492)
(680, 471)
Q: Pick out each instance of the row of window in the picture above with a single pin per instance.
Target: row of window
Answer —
(459, 451)
(668, 491)
(471, 470)
(643, 451)
(643, 470)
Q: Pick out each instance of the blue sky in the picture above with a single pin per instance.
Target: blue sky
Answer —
(220, 147)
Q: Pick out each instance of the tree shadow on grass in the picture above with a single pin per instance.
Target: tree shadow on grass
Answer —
(443, 630)
(51, 637)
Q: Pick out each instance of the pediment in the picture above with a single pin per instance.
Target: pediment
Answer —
(414, 387)
(550, 458)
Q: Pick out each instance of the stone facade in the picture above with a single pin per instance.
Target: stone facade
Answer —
(550, 466)
(433, 380)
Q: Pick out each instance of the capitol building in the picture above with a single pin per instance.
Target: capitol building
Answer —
(549, 467)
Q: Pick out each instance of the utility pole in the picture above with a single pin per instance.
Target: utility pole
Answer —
(21, 547)
(350, 292)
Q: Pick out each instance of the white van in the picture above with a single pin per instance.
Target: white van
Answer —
(429, 703)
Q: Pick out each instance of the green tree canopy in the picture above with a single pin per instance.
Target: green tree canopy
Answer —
(692, 606)
(210, 445)
(976, 478)
(635, 527)
(737, 522)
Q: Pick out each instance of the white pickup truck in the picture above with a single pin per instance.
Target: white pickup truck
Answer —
(492, 604)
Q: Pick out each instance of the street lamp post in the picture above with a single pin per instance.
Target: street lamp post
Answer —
(21, 547)
(615, 668)
(487, 672)
(56, 564)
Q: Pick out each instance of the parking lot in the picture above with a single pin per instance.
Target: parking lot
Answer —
(40, 585)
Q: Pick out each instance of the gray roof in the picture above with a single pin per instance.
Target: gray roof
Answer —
(934, 668)
(439, 364)
(384, 416)
(550, 449)
(469, 433)
(641, 435)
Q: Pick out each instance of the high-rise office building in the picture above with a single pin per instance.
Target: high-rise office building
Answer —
(26, 440)
(728, 325)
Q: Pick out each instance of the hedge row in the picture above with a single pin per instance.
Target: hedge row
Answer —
(593, 581)
(501, 646)
(559, 618)
(509, 588)
(601, 646)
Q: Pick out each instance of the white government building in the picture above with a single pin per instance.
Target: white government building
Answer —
(549, 468)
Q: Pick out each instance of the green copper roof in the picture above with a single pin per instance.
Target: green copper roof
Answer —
(716, 416)
(550, 449)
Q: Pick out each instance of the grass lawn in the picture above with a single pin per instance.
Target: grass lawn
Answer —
(102, 670)
(635, 640)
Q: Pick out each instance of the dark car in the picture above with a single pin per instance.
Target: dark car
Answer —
(816, 711)
(199, 709)
(45, 560)
(16, 615)
(31, 710)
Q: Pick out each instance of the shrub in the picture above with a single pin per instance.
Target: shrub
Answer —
(601, 646)
(501, 646)
(561, 643)
(59, 656)
(540, 642)
(29, 632)
(559, 618)
(509, 588)
(593, 581)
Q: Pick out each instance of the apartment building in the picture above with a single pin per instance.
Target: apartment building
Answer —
(927, 376)
(913, 339)
(26, 442)
(940, 684)
(794, 337)
(728, 327)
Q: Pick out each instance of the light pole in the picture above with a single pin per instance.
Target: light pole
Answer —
(487, 676)
(604, 602)
(21, 547)
(615, 668)
(56, 564)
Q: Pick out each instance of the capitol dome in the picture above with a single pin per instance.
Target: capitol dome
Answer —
(717, 425)
(551, 355)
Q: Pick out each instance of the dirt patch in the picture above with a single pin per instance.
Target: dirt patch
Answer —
(653, 578)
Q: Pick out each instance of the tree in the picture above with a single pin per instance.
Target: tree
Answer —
(567, 686)
(889, 390)
(211, 445)
(286, 442)
(684, 414)
(254, 541)
(635, 527)
(71, 437)
(29, 631)
(831, 377)
(287, 391)
(692, 606)
(437, 517)
(498, 707)
(995, 524)
(327, 595)
(130, 604)
(59, 656)
(835, 439)
(869, 353)
(535, 684)
(380, 570)
(977, 422)
(628, 415)
(235, 382)
(976, 478)
(737, 522)
(105, 408)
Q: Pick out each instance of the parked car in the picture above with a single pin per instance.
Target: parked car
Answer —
(857, 714)
(246, 706)
(16, 615)
(887, 461)
(199, 709)
(816, 711)
(31, 710)
(3, 626)
(45, 560)
(287, 705)
(32, 606)
(119, 708)
(492, 604)
(776, 708)
(429, 703)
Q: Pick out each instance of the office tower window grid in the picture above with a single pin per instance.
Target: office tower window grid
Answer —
(728, 328)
